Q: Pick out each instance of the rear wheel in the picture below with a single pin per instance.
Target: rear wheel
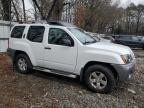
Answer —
(23, 64)
(99, 78)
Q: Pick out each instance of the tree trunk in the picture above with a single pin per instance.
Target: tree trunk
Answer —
(35, 14)
(138, 21)
(128, 23)
(6, 4)
(24, 12)
(51, 9)
(39, 9)
(55, 11)
(16, 12)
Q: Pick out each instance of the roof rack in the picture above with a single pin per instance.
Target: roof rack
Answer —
(60, 23)
(55, 23)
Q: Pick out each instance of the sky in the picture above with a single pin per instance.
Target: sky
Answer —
(125, 3)
(28, 4)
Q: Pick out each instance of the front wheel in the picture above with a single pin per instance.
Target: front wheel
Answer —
(99, 78)
(23, 64)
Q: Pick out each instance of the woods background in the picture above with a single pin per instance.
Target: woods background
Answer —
(101, 16)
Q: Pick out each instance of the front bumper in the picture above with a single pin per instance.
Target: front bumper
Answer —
(125, 71)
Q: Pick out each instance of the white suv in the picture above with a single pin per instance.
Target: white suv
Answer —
(67, 50)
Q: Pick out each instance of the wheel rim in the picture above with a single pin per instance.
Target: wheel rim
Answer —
(22, 64)
(98, 80)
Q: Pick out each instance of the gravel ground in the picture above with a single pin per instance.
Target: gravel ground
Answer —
(43, 90)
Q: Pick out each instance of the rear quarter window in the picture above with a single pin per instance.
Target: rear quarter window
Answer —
(17, 32)
(36, 33)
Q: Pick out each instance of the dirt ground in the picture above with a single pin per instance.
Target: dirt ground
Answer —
(43, 90)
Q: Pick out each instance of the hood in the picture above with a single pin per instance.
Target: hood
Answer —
(116, 48)
(105, 40)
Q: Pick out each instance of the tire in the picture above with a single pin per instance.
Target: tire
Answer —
(99, 79)
(143, 47)
(23, 64)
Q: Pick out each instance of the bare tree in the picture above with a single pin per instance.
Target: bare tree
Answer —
(6, 5)
(16, 11)
(134, 18)
(56, 9)
(39, 9)
(35, 10)
(51, 9)
(24, 11)
(48, 12)
(140, 11)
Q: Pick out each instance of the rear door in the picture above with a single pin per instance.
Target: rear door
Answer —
(34, 39)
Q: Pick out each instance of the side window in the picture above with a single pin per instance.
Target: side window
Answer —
(35, 33)
(135, 38)
(56, 36)
(126, 37)
(17, 31)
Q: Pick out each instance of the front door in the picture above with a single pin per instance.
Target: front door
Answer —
(57, 54)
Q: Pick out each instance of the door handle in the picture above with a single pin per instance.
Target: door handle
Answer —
(47, 48)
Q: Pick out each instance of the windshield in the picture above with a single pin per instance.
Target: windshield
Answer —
(82, 36)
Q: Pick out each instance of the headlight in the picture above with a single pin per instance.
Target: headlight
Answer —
(126, 58)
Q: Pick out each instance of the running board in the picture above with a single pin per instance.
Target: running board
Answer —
(57, 72)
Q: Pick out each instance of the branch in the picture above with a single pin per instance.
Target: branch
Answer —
(51, 9)
(17, 14)
(38, 7)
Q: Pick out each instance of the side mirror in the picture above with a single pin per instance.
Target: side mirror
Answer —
(66, 42)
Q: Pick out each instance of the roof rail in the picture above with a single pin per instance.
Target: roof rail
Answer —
(60, 23)
(56, 23)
